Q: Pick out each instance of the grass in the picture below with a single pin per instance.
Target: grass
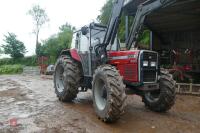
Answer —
(11, 69)
(26, 61)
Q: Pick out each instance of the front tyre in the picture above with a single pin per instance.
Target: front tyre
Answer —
(66, 79)
(163, 99)
(108, 93)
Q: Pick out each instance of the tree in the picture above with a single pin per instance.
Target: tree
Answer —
(103, 18)
(65, 35)
(54, 44)
(105, 12)
(40, 17)
(1, 51)
(13, 46)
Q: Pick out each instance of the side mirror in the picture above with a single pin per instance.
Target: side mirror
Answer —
(84, 30)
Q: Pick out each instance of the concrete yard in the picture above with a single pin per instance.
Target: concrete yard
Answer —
(29, 104)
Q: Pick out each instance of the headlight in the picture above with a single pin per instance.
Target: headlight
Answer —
(145, 63)
(153, 64)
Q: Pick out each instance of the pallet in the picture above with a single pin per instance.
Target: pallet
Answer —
(188, 89)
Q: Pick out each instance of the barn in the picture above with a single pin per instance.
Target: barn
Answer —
(175, 34)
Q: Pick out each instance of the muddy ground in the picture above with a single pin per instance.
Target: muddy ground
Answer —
(30, 102)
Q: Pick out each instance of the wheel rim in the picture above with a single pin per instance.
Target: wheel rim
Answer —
(59, 78)
(100, 94)
(152, 96)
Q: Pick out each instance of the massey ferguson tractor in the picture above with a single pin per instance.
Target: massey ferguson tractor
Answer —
(96, 62)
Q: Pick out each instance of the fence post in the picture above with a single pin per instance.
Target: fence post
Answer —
(178, 89)
(191, 88)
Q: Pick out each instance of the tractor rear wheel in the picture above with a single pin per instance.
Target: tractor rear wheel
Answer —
(163, 99)
(108, 93)
(66, 79)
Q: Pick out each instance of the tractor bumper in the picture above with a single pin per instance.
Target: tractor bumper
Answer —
(139, 89)
(150, 87)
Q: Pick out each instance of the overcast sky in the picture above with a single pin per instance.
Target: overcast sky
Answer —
(14, 18)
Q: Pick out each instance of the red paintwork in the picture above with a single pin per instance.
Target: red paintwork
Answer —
(43, 63)
(128, 68)
(181, 70)
(187, 68)
(75, 54)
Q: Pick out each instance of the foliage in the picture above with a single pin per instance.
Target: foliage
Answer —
(26, 61)
(11, 69)
(65, 35)
(103, 18)
(144, 38)
(13, 46)
(37, 49)
(105, 12)
(56, 43)
(40, 17)
(1, 51)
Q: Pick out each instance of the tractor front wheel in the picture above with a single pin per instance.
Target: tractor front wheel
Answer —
(163, 99)
(108, 93)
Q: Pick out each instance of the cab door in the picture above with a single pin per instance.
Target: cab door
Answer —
(82, 46)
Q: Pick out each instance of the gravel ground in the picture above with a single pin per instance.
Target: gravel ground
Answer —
(29, 104)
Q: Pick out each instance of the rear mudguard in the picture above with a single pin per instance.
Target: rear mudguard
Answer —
(72, 53)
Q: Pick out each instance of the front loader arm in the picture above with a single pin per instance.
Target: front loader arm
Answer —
(143, 10)
(114, 21)
(112, 28)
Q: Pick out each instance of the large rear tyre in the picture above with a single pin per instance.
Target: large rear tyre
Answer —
(108, 93)
(66, 79)
(163, 99)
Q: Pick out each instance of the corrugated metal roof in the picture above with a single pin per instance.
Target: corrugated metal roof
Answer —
(184, 15)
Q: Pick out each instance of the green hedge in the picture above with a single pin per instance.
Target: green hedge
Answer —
(11, 69)
(26, 61)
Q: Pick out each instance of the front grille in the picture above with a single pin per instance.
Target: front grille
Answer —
(149, 76)
(129, 71)
(149, 73)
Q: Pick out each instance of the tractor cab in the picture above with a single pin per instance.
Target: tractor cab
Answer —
(86, 42)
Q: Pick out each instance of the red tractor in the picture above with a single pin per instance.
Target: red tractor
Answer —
(96, 62)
